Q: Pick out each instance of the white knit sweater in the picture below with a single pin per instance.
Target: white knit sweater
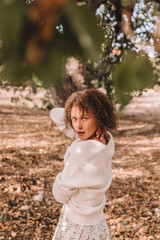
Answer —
(86, 176)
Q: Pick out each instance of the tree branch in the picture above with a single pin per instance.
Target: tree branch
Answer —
(93, 4)
(126, 26)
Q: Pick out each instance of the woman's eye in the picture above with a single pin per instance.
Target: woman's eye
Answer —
(84, 118)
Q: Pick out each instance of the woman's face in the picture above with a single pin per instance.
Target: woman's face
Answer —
(84, 123)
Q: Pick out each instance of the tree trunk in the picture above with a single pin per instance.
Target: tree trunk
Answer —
(75, 79)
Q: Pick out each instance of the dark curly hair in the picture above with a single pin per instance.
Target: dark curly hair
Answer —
(95, 101)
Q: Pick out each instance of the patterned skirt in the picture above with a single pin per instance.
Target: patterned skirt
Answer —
(68, 230)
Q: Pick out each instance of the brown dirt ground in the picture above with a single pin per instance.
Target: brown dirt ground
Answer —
(31, 154)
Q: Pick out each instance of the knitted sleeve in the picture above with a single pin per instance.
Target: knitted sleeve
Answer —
(61, 192)
(57, 115)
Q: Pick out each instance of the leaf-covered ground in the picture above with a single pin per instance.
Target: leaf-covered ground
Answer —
(31, 154)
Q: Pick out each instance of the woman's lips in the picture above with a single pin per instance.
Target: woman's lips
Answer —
(80, 133)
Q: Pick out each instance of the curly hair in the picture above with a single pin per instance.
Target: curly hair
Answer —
(95, 101)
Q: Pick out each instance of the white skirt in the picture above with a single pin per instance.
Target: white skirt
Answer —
(68, 230)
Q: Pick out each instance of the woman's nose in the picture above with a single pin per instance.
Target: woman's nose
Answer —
(79, 124)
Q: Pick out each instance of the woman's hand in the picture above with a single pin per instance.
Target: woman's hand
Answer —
(102, 136)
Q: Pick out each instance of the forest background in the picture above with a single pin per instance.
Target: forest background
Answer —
(50, 49)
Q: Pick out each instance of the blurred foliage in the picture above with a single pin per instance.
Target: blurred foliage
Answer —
(137, 71)
(28, 46)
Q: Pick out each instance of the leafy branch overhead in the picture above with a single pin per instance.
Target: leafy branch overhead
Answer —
(133, 44)
(117, 40)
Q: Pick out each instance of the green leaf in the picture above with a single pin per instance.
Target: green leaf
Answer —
(11, 22)
(50, 70)
(134, 73)
(85, 26)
